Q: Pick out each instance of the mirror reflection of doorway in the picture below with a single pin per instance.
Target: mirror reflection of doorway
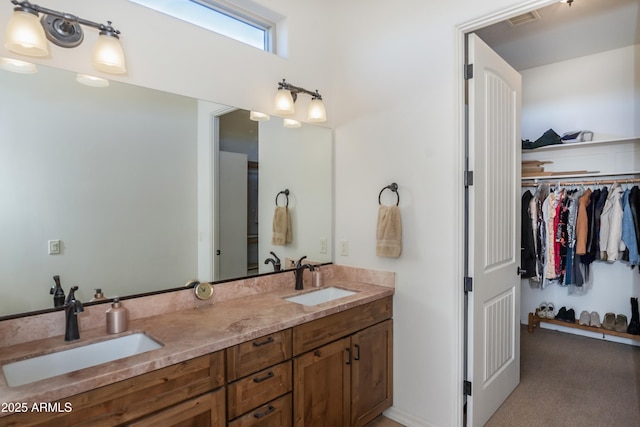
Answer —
(238, 190)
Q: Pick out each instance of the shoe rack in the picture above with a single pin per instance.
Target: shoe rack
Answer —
(534, 322)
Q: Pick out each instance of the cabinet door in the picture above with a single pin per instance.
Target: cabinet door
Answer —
(371, 372)
(203, 411)
(322, 386)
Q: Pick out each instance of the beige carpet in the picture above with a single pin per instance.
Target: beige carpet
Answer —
(569, 380)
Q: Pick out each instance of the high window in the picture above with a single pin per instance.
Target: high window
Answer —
(221, 17)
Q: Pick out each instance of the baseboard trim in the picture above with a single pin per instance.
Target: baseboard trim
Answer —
(405, 418)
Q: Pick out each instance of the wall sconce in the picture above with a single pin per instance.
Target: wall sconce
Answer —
(27, 36)
(287, 95)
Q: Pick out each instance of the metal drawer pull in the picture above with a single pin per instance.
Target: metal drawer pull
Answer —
(267, 341)
(269, 410)
(266, 377)
(357, 356)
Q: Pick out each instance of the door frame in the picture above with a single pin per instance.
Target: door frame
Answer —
(464, 262)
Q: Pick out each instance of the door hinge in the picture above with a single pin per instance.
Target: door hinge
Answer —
(468, 71)
(468, 178)
(468, 284)
(466, 388)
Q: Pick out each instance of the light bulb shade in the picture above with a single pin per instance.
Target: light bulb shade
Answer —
(17, 66)
(317, 112)
(25, 35)
(290, 123)
(257, 116)
(108, 55)
(284, 102)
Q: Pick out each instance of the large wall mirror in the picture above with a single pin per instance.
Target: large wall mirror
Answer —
(112, 174)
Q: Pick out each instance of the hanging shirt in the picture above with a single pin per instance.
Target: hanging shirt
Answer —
(611, 244)
(628, 230)
(582, 223)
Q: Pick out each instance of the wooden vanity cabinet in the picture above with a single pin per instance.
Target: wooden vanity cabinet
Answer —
(259, 376)
(345, 381)
(179, 394)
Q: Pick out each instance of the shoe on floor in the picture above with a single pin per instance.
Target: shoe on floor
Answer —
(609, 321)
(595, 319)
(621, 323)
(585, 318)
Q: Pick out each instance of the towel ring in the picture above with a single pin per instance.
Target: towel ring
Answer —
(286, 194)
(393, 187)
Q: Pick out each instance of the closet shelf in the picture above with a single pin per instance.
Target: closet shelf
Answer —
(582, 144)
(584, 175)
(534, 322)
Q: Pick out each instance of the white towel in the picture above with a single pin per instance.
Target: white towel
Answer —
(389, 232)
(281, 226)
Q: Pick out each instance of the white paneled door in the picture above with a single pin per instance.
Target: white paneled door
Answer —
(493, 347)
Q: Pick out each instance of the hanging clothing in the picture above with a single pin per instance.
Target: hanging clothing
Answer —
(628, 231)
(582, 223)
(528, 251)
(611, 244)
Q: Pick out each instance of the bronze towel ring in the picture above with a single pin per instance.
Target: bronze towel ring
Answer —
(393, 187)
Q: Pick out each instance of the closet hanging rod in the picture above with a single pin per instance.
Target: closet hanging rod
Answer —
(535, 183)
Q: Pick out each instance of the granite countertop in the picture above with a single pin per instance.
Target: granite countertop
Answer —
(185, 334)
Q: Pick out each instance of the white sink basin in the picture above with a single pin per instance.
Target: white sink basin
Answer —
(49, 365)
(320, 296)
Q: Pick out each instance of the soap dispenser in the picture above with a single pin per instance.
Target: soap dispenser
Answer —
(117, 317)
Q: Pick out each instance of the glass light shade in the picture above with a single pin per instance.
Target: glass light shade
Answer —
(17, 66)
(290, 123)
(257, 116)
(92, 81)
(317, 112)
(25, 35)
(284, 102)
(108, 55)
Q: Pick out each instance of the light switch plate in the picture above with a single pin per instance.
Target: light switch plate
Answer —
(54, 247)
(344, 247)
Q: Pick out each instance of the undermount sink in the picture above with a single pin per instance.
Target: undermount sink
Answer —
(64, 361)
(320, 296)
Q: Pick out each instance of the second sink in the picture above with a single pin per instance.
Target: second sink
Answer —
(320, 296)
(64, 361)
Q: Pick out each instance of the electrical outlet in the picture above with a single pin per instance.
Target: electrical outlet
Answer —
(344, 247)
(323, 245)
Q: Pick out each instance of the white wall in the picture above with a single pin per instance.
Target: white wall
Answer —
(102, 170)
(565, 97)
(295, 159)
(596, 92)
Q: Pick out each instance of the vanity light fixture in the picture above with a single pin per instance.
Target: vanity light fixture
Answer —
(18, 66)
(257, 116)
(287, 95)
(27, 36)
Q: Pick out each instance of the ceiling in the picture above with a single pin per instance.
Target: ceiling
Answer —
(564, 32)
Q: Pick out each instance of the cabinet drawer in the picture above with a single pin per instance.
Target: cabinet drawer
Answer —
(255, 355)
(322, 331)
(273, 414)
(259, 388)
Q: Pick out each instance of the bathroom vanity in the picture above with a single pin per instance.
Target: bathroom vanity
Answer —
(258, 360)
